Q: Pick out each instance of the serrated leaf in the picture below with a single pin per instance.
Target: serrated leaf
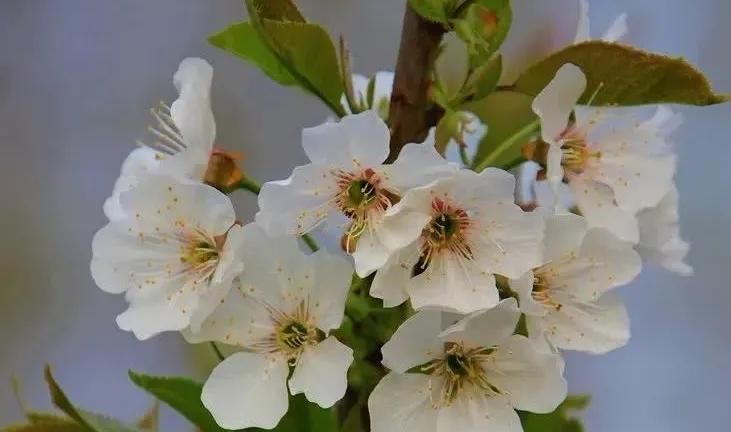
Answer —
(560, 420)
(507, 115)
(431, 10)
(280, 10)
(89, 421)
(243, 41)
(181, 394)
(308, 54)
(623, 75)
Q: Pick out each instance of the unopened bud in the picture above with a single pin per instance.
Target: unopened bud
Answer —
(223, 171)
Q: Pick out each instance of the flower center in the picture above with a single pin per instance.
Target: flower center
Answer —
(575, 153)
(445, 233)
(541, 288)
(294, 335)
(462, 371)
(361, 196)
(199, 252)
(360, 192)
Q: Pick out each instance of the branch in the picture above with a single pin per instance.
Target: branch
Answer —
(410, 116)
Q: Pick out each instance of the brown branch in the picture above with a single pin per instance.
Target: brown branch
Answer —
(410, 115)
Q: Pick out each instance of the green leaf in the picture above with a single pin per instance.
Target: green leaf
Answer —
(89, 421)
(243, 41)
(280, 10)
(623, 75)
(483, 79)
(483, 28)
(181, 394)
(308, 54)
(431, 10)
(510, 124)
(304, 416)
(561, 420)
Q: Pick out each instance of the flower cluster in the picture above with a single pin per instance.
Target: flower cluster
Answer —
(450, 242)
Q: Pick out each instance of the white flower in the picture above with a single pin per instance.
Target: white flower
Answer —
(381, 99)
(567, 300)
(447, 240)
(347, 184)
(174, 256)
(281, 311)
(614, 164)
(469, 378)
(183, 136)
(616, 31)
(660, 240)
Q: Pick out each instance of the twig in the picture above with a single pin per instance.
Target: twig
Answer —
(410, 116)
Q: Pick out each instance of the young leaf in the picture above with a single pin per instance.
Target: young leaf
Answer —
(483, 79)
(280, 10)
(623, 75)
(510, 124)
(181, 394)
(431, 10)
(89, 421)
(304, 416)
(308, 54)
(560, 420)
(243, 41)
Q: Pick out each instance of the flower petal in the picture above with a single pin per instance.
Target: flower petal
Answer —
(531, 380)
(359, 140)
(191, 112)
(597, 327)
(401, 403)
(415, 342)
(555, 102)
(321, 372)
(564, 233)
(391, 280)
(478, 414)
(298, 204)
(247, 390)
(596, 203)
(329, 290)
(486, 328)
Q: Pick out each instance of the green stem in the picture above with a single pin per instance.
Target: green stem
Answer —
(463, 155)
(521, 135)
(218, 352)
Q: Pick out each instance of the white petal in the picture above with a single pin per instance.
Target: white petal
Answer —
(523, 286)
(329, 290)
(151, 318)
(191, 112)
(637, 181)
(478, 414)
(597, 327)
(532, 380)
(583, 31)
(391, 280)
(507, 240)
(453, 284)
(321, 372)
(370, 253)
(359, 140)
(617, 30)
(487, 328)
(298, 204)
(247, 390)
(555, 102)
(402, 224)
(138, 163)
(564, 233)
(239, 320)
(596, 203)
(415, 342)
(417, 165)
(401, 403)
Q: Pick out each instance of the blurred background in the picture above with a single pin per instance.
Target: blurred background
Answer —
(77, 79)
